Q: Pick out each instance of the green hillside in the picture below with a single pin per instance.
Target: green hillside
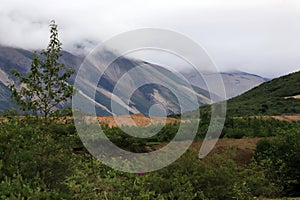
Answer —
(271, 98)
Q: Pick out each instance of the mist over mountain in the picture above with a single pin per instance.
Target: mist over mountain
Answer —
(235, 82)
(141, 101)
(142, 98)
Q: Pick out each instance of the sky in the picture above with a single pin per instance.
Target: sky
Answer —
(256, 36)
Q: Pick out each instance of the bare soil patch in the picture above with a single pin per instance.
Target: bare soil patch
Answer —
(241, 149)
(289, 118)
(135, 120)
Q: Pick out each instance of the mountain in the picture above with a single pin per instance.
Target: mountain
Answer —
(235, 82)
(18, 59)
(142, 98)
(5, 100)
(278, 96)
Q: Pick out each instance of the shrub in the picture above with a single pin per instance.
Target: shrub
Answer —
(280, 157)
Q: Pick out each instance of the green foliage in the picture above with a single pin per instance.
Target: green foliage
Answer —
(189, 177)
(270, 98)
(65, 112)
(48, 161)
(9, 113)
(35, 158)
(239, 127)
(135, 144)
(45, 86)
(235, 127)
(280, 157)
(17, 187)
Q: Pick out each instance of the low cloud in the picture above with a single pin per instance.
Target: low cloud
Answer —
(258, 36)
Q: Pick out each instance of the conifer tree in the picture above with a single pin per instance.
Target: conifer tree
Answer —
(45, 86)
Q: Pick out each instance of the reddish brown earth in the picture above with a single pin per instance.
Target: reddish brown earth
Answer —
(135, 120)
(240, 149)
(122, 120)
(141, 120)
(290, 118)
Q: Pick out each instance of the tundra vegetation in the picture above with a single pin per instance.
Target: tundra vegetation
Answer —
(48, 161)
(41, 160)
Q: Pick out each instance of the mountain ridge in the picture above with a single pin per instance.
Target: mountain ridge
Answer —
(142, 99)
(235, 82)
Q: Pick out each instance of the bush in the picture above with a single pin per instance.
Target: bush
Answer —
(32, 152)
(280, 157)
(16, 187)
(215, 177)
(38, 161)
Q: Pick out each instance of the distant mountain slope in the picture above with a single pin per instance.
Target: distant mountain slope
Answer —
(18, 59)
(278, 96)
(140, 102)
(5, 99)
(235, 82)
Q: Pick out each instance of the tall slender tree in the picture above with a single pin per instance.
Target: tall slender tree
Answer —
(45, 86)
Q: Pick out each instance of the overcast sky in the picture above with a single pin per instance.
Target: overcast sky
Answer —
(256, 36)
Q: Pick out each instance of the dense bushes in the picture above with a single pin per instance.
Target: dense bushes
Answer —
(215, 177)
(34, 158)
(242, 127)
(48, 161)
(234, 127)
(238, 127)
(280, 157)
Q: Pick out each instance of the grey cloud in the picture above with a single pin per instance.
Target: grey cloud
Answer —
(258, 36)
